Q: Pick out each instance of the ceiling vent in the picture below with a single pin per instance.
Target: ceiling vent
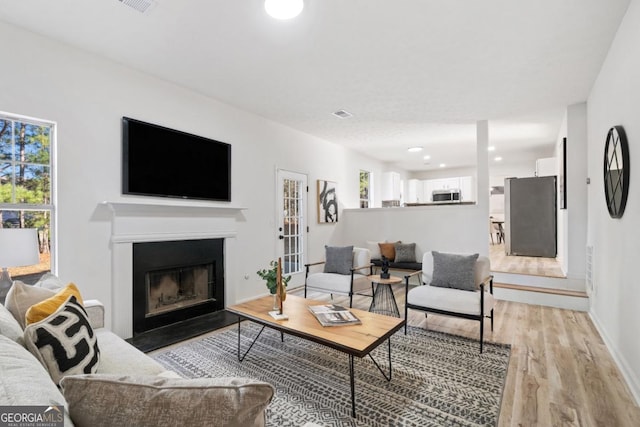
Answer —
(140, 5)
(343, 114)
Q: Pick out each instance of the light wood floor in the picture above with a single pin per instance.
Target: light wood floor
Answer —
(560, 373)
(535, 266)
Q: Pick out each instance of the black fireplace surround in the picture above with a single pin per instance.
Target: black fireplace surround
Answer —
(158, 256)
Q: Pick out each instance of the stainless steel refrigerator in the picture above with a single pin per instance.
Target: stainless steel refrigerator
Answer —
(530, 216)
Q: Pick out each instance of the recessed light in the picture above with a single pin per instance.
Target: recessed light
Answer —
(442, 165)
(498, 159)
(427, 157)
(283, 9)
(343, 114)
(491, 148)
(414, 149)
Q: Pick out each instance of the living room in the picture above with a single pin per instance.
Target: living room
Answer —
(86, 95)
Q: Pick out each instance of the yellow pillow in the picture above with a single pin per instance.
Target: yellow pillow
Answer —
(44, 309)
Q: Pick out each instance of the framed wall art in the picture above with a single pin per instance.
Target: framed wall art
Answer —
(327, 202)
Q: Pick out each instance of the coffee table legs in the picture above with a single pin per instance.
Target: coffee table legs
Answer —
(353, 385)
(241, 358)
(352, 381)
(352, 375)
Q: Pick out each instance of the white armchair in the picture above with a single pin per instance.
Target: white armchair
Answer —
(473, 303)
(349, 278)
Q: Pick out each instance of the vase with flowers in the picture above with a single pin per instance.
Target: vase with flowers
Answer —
(270, 275)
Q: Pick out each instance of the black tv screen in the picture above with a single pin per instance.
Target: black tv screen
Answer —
(158, 161)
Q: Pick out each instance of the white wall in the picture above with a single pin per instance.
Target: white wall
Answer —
(87, 96)
(615, 100)
(445, 228)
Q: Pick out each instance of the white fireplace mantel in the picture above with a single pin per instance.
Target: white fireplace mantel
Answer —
(134, 222)
(169, 209)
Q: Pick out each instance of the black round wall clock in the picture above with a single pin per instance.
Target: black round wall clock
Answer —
(616, 171)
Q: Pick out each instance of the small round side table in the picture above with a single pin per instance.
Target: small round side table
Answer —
(384, 302)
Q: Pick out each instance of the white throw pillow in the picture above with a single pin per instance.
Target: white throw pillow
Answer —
(374, 249)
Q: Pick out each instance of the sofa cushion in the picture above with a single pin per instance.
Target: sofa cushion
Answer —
(119, 357)
(22, 296)
(338, 259)
(108, 400)
(388, 250)
(9, 326)
(23, 381)
(454, 271)
(45, 308)
(405, 252)
(64, 342)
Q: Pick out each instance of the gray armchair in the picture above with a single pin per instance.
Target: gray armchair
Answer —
(474, 302)
(343, 277)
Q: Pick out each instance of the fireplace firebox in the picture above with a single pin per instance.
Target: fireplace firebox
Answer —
(176, 280)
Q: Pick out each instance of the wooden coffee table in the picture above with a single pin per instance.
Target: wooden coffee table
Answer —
(354, 340)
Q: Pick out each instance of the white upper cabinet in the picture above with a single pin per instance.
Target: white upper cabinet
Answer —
(462, 183)
(390, 187)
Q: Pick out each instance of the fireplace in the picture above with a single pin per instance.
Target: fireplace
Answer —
(176, 280)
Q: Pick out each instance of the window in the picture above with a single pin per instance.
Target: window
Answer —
(365, 189)
(25, 185)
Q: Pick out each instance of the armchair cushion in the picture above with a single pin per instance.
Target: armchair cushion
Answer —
(450, 300)
(405, 252)
(454, 271)
(482, 269)
(338, 259)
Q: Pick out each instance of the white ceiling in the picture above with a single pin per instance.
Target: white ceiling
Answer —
(413, 72)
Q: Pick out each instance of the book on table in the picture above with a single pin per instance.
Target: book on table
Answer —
(333, 315)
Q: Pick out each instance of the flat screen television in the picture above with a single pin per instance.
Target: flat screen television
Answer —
(162, 162)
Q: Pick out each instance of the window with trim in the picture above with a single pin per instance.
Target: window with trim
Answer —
(26, 185)
(365, 189)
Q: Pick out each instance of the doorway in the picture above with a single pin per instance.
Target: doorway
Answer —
(292, 220)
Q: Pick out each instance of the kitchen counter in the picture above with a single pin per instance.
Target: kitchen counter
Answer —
(439, 204)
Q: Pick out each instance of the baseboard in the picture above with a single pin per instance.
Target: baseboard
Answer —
(633, 383)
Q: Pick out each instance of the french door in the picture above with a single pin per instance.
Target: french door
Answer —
(291, 220)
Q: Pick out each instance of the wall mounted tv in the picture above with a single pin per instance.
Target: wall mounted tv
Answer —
(162, 162)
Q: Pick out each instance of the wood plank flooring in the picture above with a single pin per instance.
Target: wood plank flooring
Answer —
(560, 373)
(534, 266)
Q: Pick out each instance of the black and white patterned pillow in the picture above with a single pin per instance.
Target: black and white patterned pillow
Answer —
(64, 342)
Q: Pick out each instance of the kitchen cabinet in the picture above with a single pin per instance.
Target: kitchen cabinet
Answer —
(390, 186)
(415, 191)
(547, 166)
(462, 183)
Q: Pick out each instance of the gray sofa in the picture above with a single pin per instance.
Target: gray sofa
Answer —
(129, 388)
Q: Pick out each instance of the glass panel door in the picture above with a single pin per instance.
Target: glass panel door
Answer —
(292, 220)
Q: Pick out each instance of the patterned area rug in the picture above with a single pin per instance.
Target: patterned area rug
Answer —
(437, 379)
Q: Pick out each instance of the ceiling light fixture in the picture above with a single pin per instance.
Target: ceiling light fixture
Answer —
(414, 149)
(427, 157)
(498, 159)
(283, 9)
(491, 148)
(442, 165)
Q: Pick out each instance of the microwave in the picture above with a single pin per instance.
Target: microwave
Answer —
(446, 196)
